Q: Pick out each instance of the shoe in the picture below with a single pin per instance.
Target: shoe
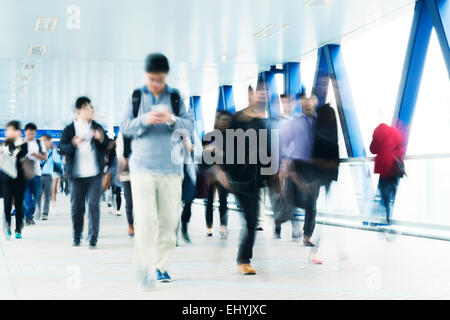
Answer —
(296, 237)
(307, 242)
(27, 221)
(44, 217)
(148, 283)
(76, 242)
(162, 277)
(185, 235)
(31, 222)
(92, 244)
(276, 235)
(246, 269)
(131, 231)
(18, 235)
(259, 228)
(118, 213)
(8, 233)
(223, 232)
(209, 232)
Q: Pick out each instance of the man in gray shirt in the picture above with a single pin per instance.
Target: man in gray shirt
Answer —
(156, 167)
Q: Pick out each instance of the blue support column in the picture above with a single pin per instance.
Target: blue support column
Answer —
(266, 81)
(419, 40)
(292, 84)
(439, 11)
(196, 104)
(226, 99)
(344, 101)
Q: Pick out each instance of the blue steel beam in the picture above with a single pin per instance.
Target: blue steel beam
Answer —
(439, 11)
(267, 82)
(292, 84)
(419, 40)
(226, 99)
(344, 101)
(196, 104)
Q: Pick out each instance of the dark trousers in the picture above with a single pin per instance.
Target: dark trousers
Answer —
(84, 190)
(186, 214)
(117, 192)
(128, 201)
(46, 191)
(32, 194)
(308, 191)
(223, 207)
(13, 191)
(388, 190)
(250, 209)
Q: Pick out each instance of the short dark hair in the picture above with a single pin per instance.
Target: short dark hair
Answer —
(250, 88)
(46, 136)
(30, 126)
(81, 101)
(224, 113)
(157, 62)
(15, 124)
(283, 95)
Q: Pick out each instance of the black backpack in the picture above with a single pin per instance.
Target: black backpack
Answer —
(136, 101)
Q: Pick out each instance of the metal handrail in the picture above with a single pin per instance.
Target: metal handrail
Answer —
(408, 157)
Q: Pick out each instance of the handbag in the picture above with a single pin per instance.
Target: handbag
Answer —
(399, 168)
(106, 181)
(8, 162)
(28, 169)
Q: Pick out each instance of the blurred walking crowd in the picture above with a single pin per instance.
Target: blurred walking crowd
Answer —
(160, 164)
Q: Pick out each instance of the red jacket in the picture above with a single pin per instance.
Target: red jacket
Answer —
(387, 144)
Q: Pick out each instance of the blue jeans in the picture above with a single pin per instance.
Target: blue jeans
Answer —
(388, 190)
(31, 197)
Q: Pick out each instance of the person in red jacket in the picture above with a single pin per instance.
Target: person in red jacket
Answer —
(387, 144)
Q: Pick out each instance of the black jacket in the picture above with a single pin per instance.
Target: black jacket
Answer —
(68, 149)
(326, 149)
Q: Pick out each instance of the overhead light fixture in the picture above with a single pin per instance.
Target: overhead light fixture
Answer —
(37, 50)
(22, 77)
(316, 3)
(46, 24)
(205, 68)
(12, 100)
(232, 54)
(29, 66)
(271, 31)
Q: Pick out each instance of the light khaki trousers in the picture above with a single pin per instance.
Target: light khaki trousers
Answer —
(157, 206)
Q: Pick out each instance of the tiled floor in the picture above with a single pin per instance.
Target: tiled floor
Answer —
(357, 265)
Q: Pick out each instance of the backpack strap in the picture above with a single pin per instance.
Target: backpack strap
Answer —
(175, 99)
(136, 100)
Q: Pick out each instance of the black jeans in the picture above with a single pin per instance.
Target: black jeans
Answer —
(223, 206)
(117, 192)
(82, 190)
(186, 214)
(388, 190)
(128, 201)
(250, 209)
(306, 173)
(13, 190)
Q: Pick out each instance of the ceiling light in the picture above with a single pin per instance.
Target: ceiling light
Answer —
(271, 31)
(205, 68)
(46, 24)
(232, 54)
(12, 100)
(29, 66)
(23, 77)
(37, 50)
(316, 3)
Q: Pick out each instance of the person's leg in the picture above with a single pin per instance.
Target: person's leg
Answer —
(169, 203)
(209, 212)
(185, 218)
(78, 206)
(55, 184)
(47, 182)
(27, 200)
(145, 219)
(128, 201)
(118, 193)
(310, 213)
(250, 207)
(223, 206)
(35, 193)
(94, 192)
(385, 188)
(7, 197)
(19, 187)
